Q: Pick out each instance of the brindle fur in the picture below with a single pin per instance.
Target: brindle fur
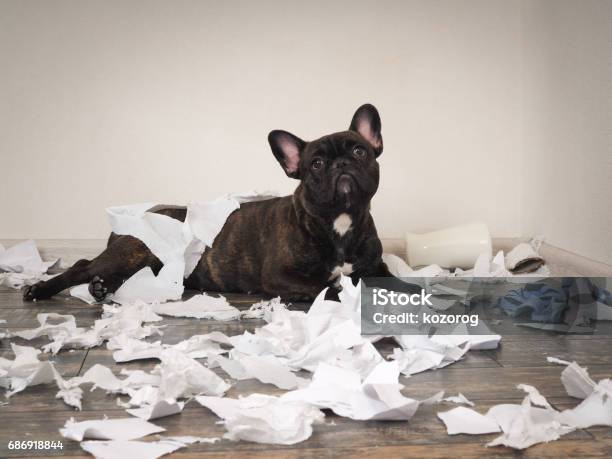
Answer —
(280, 247)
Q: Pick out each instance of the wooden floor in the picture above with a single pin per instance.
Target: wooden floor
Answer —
(485, 377)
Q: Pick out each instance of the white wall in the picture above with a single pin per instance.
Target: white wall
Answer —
(110, 102)
(567, 124)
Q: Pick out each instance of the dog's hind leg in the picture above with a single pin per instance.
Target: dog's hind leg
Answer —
(124, 256)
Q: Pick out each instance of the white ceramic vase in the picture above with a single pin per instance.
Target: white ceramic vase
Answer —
(455, 247)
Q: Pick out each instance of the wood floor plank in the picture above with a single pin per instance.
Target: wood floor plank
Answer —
(423, 429)
(554, 450)
(533, 353)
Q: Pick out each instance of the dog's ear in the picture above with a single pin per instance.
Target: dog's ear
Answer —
(287, 149)
(366, 121)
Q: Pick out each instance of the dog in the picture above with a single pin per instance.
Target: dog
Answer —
(290, 247)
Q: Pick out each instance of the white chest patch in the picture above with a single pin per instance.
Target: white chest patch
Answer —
(346, 269)
(342, 224)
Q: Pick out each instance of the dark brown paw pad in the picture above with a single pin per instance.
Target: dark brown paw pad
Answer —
(29, 293)
(97, 288)
(36, 292)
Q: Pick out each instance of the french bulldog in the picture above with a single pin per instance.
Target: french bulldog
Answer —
(290, 247)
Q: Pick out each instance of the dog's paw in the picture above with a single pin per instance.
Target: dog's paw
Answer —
(97, 288)
(29, 292)
(34, 292)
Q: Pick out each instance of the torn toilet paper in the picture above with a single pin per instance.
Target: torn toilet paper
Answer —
(22, 265)
(462, 420)
(342, 391)
(25, 370)
(264, 418)
(200, 306)
(109, 429)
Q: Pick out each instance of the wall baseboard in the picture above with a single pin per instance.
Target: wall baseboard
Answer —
(561, 262)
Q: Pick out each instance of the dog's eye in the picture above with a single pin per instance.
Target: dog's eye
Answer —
(359, 152)
(317, 163)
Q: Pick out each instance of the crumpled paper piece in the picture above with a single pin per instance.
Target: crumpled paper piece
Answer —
(182, 376)
(65, 326)
(201, 306)
(594, 410)
(462, 420)
(459, 399)
(265, 368)
(22, 265)
(264, 418)
(534, 396)
(342, 391)
(460, 336)
(521, 425)
(129, 349)
(420, 353)
(596, 407)
(109, 429)
(577, 381)
(69, 390)
(525, 425)
(103, 378)
(25, 370)
(159, 409)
